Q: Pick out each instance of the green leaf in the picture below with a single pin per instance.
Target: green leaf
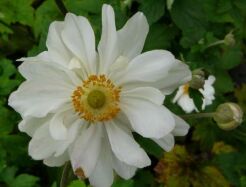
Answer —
(24, 180)
(8, 74)
(197, 97)
(44, 15)
(223, 81)
(123, 183)
(231, 58)
(77, 183)
(81, 7)
(149, 146)
(17, 11)
(190, 17)
(152, 10)
(160, 36)
(231, 165)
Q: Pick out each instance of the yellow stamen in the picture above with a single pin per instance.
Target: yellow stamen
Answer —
(97, 99)
(186, 89)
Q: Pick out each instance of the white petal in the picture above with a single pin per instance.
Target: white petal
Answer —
(166, 142)
(179, 93)
(38, 98)
(148, 93)
(58, 129)
(57, 51)
(122, 169)
(132, 36)
(87, 148)
(208, 91)
(108, 46)
(124, 146)
(181, 127)
(29, 125)
(72, 133)
(187, 103)
(42, 145)
(79, 37)
(148, 119)
(148, 67)
(47, 72)
(56, 161)
(178, 75)
(102, 175)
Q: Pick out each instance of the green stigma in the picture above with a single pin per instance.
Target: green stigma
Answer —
(96, 99)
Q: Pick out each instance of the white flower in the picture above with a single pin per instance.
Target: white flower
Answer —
(82, 105)
(186, 102)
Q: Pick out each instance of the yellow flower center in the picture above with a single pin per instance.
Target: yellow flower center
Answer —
(97, 99)
(186, 88)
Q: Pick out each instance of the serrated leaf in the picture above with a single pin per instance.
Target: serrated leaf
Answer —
(7, 71)
(17, 11)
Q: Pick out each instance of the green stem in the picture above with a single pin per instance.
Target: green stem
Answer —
(216, 43)
(61, 7)
(196, 116)
(66, 175)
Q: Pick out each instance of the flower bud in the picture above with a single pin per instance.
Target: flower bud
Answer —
(229, 39)
(228, 116)
(198, 79)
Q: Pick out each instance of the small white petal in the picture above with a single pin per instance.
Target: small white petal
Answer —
(187, 103)
(124, 146)
(148, 119)
(132, 36)
(208, 92)
(148, 93)
(166, 142)
(180, 92)
(108, 46)
(86, 149)
(181, 127)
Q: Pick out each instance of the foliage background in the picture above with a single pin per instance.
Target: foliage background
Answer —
(187, 29)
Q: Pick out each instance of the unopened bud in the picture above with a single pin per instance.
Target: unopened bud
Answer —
(198, 79)
(229, 39)
(228, 116)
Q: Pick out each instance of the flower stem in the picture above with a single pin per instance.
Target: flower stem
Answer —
(196, 116)
(67, 175)
(215, 43)
(61, 7)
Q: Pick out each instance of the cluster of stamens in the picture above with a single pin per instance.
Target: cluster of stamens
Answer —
(97, 99)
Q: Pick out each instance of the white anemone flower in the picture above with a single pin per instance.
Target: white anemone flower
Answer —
(81, 105)
(186, 102)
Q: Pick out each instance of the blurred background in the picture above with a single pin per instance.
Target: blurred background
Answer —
(208, 34)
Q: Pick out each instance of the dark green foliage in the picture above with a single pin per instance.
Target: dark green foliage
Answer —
(189, 30)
